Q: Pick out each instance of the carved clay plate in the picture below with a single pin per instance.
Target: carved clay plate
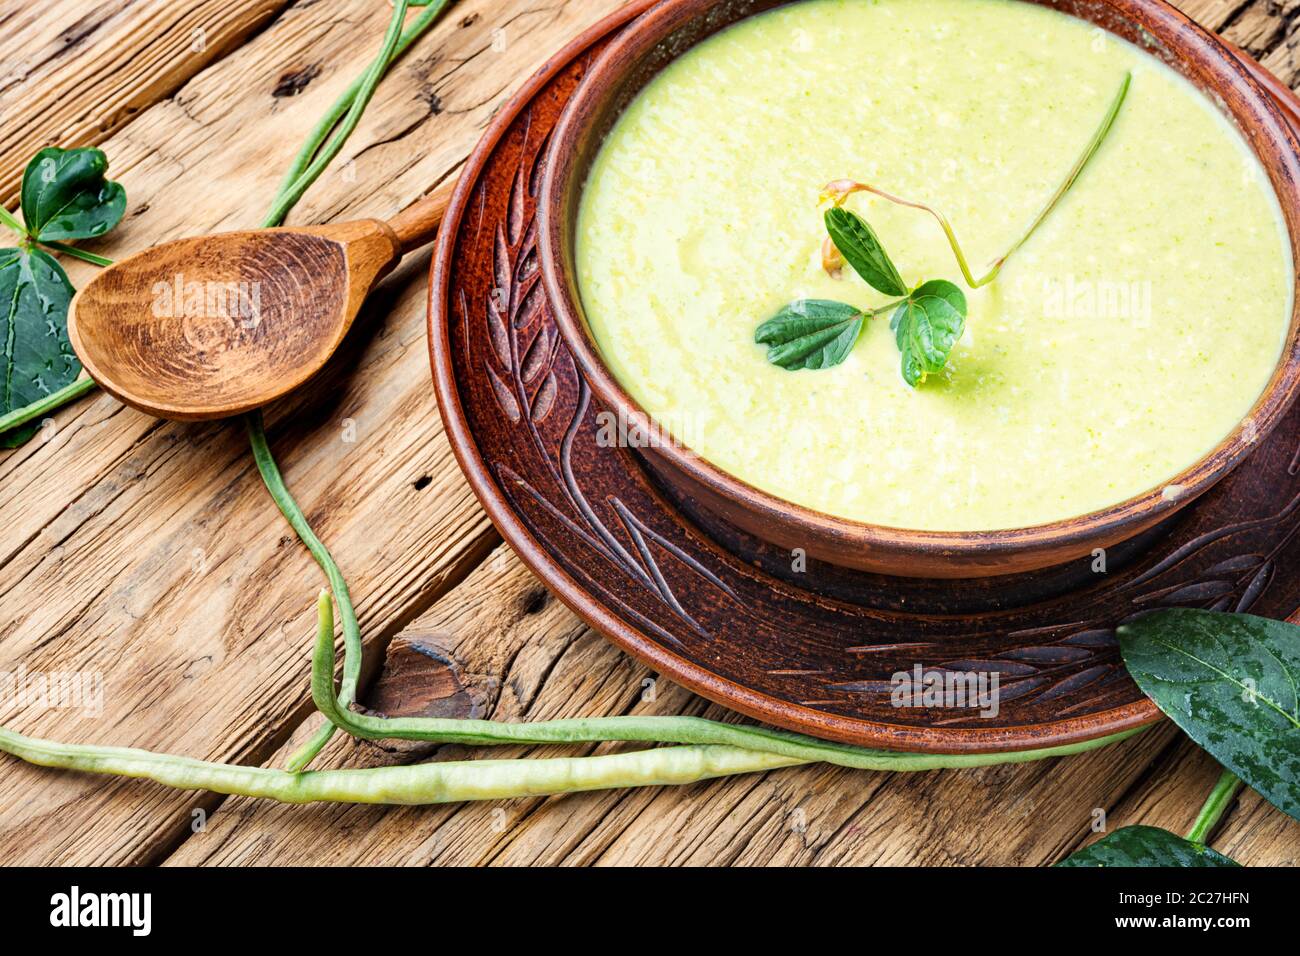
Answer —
(813, 649)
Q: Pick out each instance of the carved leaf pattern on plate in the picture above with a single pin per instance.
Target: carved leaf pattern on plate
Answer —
(527, 346)
(1204, 572)
(605, 525)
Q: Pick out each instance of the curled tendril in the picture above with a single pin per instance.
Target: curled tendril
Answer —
(839, 190)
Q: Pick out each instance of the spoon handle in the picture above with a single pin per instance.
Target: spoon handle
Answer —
(417, 224)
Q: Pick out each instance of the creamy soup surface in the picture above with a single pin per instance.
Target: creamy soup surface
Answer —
(1121, 344)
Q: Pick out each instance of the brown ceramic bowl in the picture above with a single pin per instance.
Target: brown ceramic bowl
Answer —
(675, 26)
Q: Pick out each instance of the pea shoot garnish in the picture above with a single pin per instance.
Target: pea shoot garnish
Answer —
(929, 319)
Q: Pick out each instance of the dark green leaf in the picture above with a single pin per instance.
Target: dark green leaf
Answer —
(857, 243)
(1230, 681)
(36, 358)
(1146, 846)
(927, 326)
(65, 195)
(810, 333)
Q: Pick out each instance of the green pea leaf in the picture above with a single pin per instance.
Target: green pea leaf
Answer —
(927, 326)
(36, 358)
(857, 243)
(1146, 846)
(810, 333)
(1230, 682)
(65, 195)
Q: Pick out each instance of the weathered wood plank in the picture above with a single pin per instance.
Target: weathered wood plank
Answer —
(1260, 27)
(1266, 28)
(149, 552)
(1216, 14)
(71, 73)
(109, 551)
(1032, 814)
(520, 655)
(1284, 57)
(1252, 832)
(1257, 834)
(507, 634)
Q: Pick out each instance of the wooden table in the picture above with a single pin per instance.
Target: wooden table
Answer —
(148, 551)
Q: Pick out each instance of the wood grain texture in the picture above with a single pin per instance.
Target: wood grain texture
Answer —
(1266, 28)
(96, 568)
(215, 326)
(109, 519)
(71, 72)
(1172, 791)
(504, 649)
(522, 655)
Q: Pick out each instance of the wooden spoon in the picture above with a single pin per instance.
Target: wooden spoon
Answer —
(219, 325)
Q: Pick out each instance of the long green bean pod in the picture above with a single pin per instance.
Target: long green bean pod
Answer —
(289, 194)
(288, 506)
(306, 168)
(704, 752)
(703, 749)
(451, 782)
(674, 730)
(343, 104)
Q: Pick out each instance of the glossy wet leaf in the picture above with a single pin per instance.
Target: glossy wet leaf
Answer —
(36, 358)
(861, 249)
(927, 326)
(810, 333)
(1146, 846)
(65, 195)
(1230, 682)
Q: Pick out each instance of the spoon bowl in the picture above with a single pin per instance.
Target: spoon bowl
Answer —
(214, 326)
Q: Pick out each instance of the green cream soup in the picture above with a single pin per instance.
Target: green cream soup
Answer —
(1125, 340)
